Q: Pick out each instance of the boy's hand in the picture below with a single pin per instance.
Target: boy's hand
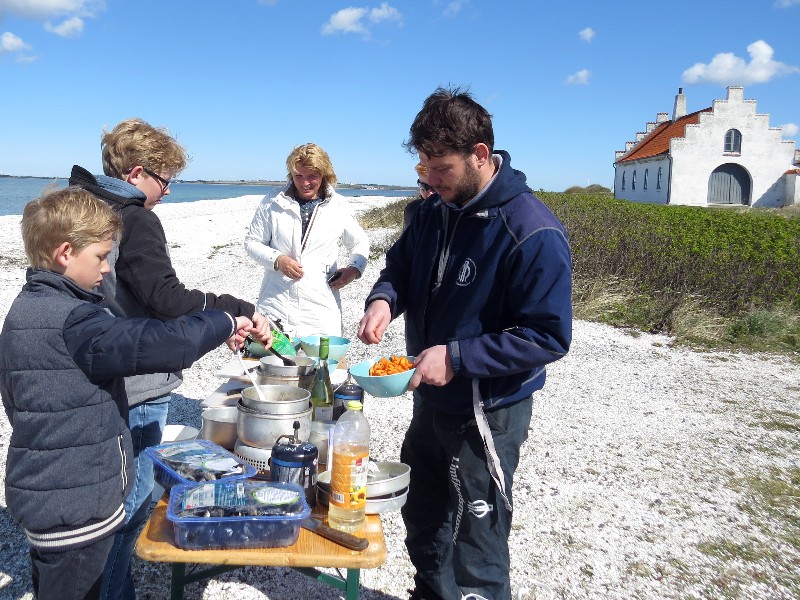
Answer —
(243, 327)
(262, 330)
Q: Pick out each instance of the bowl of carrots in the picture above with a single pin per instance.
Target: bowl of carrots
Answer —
(384, 377)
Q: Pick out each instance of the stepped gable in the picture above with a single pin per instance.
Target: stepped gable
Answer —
(658, 141)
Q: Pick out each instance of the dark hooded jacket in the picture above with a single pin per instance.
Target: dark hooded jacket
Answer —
(62, 360)
(493, 281)
(142, 282)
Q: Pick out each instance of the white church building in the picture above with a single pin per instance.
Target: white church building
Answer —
(725, 154)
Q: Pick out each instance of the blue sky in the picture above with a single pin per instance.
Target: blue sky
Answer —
(241, 82)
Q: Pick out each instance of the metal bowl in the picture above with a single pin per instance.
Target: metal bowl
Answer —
(383, 478)
(375, 506)
(272, 365)
(280, 399)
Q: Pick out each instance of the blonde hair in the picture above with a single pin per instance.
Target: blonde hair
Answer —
(422, 170)
(313, 157)
(70, 215)
(134, 142)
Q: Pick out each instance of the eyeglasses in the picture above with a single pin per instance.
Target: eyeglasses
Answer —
(165, 183)
(425, 187)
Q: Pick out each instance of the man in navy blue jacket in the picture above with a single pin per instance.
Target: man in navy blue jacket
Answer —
(484, 277)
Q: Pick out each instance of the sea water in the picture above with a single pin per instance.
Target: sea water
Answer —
(16, 192)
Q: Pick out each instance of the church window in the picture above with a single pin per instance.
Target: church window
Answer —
(623, 180)
(633, 180)
(658, 179)
(644, 183)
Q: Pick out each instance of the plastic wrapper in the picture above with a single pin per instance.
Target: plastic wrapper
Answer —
(243, 513)
(193, 461)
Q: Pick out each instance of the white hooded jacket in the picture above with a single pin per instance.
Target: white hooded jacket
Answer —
(308, 306)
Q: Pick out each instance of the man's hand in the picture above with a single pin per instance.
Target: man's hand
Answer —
(374, 322)
(433, 366)
(243, 327)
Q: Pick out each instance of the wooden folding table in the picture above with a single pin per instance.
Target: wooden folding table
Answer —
(308, 555)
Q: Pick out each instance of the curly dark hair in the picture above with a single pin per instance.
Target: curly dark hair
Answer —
(450, 121)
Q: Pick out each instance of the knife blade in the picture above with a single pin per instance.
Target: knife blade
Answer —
(329, 533)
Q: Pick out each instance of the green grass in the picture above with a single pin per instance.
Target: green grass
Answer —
(709, 277)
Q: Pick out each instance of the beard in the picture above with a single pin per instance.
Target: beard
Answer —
(466, 189)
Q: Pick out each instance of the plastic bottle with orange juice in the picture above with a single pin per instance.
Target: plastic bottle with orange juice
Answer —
(348, 499)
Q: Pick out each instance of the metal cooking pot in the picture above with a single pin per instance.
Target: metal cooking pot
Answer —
(219, 426)
(281, 399)
(261, 430)
(271, 371)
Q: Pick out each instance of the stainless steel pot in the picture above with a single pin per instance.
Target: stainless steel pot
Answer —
(219, 426)
(280, 399)
(259, 429)
(271, 371)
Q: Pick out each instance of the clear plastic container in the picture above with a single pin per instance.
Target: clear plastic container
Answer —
(350, 462)
(190, 461)
(243, 513)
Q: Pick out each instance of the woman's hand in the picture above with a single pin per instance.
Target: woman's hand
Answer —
(289, 267)
(343, 277)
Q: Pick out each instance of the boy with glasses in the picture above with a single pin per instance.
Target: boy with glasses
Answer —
(139, 162)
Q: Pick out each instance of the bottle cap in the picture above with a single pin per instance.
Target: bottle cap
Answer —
(354, 405)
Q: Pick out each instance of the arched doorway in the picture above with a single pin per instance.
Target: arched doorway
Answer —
(729, 184)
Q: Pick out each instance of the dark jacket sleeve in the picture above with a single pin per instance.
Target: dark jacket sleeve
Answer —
(106, 347)
(145, 268)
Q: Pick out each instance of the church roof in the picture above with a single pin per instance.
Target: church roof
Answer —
(658, 141)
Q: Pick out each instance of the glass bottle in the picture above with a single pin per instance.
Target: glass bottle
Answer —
(350, 442)
(321, 390)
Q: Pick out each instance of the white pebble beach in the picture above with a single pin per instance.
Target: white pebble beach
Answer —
(637, 465)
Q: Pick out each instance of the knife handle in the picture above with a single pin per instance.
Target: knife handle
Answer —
(343, 538)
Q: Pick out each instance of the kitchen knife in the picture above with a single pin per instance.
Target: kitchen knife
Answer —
(329, 533)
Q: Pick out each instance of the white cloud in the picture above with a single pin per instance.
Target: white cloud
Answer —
(48, 9)
(579, 78)
(385, 13)
(12, 43)
(352, 19)
(587, 34)
(69, 28)
(787, 3)
(347, 20)
(790, 130)
(728, 69)
(454, 7)
(268, 2)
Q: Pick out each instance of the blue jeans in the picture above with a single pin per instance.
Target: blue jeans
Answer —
(457, 523)
(146, 421)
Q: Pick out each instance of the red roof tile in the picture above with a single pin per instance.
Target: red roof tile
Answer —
(658, 141)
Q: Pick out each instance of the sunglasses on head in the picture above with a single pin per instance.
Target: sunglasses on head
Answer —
(425, 187)
(165, 183)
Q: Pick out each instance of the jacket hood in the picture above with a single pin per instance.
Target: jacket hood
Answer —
(507, 184)
(116, 192)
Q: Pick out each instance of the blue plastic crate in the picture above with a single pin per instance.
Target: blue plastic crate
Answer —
(257, 514)
(200, 460)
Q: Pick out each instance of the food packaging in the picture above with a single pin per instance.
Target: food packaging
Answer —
(192, 461)
(240, 513)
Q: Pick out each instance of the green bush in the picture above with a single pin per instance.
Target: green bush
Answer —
(735, 261)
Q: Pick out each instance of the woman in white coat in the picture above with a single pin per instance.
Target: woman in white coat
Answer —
(296, 237)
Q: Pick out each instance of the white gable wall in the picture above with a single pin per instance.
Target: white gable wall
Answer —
(765, 156)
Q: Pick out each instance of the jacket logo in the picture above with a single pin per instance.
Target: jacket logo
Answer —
(466, 274)
(480, 508)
